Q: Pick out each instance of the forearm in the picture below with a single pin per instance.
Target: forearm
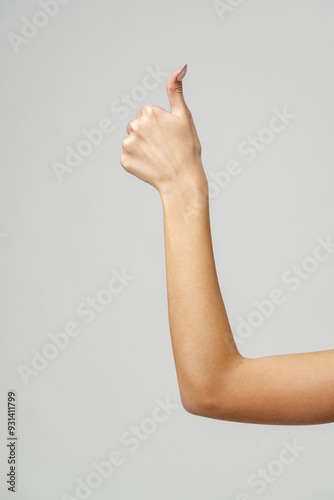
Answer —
(202, 341)
(214, 379)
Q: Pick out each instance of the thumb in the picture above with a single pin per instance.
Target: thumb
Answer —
(175, 91)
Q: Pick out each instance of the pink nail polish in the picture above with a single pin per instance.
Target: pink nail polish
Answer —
(182, 73)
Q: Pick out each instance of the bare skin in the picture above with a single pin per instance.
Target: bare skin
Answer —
(163, 149)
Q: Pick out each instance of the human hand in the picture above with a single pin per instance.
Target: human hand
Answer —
(162, 148)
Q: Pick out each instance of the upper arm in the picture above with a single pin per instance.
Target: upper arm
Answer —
(292, 389)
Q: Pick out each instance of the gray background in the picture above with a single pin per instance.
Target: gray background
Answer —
(60, 240)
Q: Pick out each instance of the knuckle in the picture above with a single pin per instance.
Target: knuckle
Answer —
(139, 113)
(176, 89)
(150, 110)
(124, 160)
(133, 125)
(126, 142)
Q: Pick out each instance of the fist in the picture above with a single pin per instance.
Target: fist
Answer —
(162, 148)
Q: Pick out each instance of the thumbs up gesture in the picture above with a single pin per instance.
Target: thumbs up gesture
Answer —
(162, 148)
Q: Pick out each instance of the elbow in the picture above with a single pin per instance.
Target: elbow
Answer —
(215, 397)
(201, 401)
(200, 409)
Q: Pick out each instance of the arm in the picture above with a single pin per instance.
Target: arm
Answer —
(214, 379)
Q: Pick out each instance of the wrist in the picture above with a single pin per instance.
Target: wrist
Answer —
(187, 197)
